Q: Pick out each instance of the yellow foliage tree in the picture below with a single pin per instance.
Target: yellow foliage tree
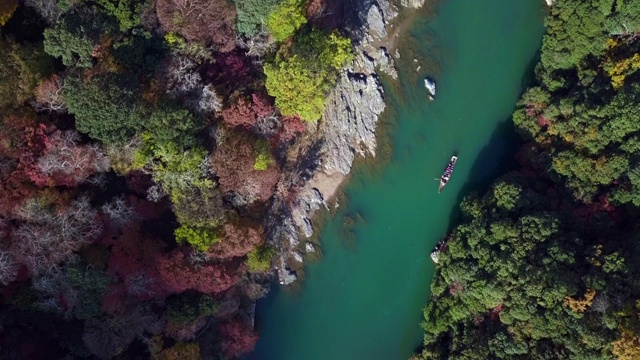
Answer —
(627, 347)
(180, 351)
(580, 305)
(7, 8)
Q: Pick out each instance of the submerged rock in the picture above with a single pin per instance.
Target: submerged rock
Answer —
(297, 256)
(415, 4)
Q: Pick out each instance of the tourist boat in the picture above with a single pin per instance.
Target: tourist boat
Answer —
(446, 175)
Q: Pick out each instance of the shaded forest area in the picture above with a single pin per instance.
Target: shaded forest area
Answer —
(546, 264)
(141, 145)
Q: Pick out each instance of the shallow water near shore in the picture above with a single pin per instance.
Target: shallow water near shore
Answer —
(364, 298)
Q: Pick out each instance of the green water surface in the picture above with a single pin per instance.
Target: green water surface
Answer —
(364, 298)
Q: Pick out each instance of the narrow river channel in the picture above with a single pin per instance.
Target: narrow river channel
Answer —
(364, 298)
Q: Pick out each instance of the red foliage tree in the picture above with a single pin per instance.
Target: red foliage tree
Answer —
(455, 288)
(133, 260)
(245, 114)
(238, 337)
(200, 20)
(21, 143)
(291, 127)
(240, 114)
(237, 240)
(178, 274)
(233, 68)
(262, 105)
(233, 163)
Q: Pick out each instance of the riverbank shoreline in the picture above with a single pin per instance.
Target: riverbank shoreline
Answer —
(348, 130)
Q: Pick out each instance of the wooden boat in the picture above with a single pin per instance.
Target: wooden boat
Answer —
(446, 175)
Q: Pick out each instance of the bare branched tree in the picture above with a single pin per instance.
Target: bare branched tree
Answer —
(106, 337)
(52, 237)
(48, 95)
(8, 267)
(71, 160)
(182, 77)
(267, 126)
(600, 303)
(258, 45)
(208, 102)
(155, 193)
(48, 9)
(120, 212)
(140, 285)
(198, 258)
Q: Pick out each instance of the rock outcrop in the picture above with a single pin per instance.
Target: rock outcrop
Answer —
(347, 129)
(414, 4)
(350, 119)
(430, 85)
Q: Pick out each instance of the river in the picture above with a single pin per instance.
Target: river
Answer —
(364, 298)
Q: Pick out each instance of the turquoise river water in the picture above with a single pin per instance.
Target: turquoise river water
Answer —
(364, 298)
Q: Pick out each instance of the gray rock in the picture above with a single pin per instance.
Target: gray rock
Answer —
(306, 226)
(289, 277)
(414, 4)
(350, 118)
(550, 2)
(430, 85)
(309, 200)
(376, 22)
(309, 247)
(347, 128)
(435, 256)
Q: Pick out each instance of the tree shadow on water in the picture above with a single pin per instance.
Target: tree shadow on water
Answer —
(497, 157)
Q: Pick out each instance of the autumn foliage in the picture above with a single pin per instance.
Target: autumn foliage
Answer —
(200, 20)
(178, 274)
(237, 240)
(239, 337)
(246, 113)
(139, 152)
(233, 164)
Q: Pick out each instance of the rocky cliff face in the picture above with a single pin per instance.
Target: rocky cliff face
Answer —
(347, 128)
(352, 109)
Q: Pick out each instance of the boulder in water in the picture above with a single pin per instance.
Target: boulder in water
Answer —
(430, 85)
(435, 255)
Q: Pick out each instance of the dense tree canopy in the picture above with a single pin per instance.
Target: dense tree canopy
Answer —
(253, 15)
(106, 107)
(301, 76)
(77, 35)
(544, 265)
(140, 152)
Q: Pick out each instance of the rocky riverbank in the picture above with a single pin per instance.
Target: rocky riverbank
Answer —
(347, 129)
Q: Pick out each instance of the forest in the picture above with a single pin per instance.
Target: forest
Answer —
(546, 263)
(142, 143)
